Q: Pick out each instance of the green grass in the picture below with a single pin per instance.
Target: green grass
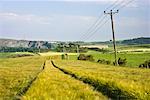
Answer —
(126, 47)
(5, 55)
(15, 73)
(133, 59)
(53, 84)
(118, 82)
(12, 54)
(142, 46)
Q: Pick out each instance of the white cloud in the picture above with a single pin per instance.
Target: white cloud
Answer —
(25, 18)
(52, 26)
(29, 18)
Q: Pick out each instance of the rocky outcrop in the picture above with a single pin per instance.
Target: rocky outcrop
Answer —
(24, 43)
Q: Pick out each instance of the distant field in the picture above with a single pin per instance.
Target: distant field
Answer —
(116, 82)
(131, 47)
(133, 59)
(55, 53)
(13, 54)
(15, 73)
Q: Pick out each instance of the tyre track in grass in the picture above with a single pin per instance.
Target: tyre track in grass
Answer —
(105, 89)
(25, 88)
(53, 84)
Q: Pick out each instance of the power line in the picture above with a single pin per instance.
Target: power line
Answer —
(127, 3)
(93, 25)
(100, 26)
(119, 3)
(114, 5)
(97, 22)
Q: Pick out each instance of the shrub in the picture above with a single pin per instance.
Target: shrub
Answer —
(62, 56)
(100, 50)
(103, 61)
(108, 62)
(89, 57)
(146, 64)
(81, 57)
(122, 62)
(85, 57)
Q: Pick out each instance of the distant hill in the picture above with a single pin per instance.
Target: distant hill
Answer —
(141, 40)
(48, 45)
(134, 41)
(24, 43)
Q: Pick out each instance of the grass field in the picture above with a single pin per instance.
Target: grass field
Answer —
(130, 47)
(117, 82)
(133, 59)
(12, 54)
(53, 84)
(55, 53)
(15, 73)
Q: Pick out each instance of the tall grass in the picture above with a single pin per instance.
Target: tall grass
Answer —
(53, 84)
(116, 82)
(15, 73)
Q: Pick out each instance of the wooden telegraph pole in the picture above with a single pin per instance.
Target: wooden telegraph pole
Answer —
(111, 13)
(78, 50)
(39, 47)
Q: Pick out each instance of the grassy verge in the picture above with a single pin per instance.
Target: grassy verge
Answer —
(116, 82)
(53, 84)
(16, 73)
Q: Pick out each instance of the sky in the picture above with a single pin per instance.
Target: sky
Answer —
(73, 20)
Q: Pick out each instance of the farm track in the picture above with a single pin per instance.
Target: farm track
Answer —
(53, 84)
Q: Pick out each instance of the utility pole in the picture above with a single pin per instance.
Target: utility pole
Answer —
(63, 48)
(111, 13)
(39, 47)
(77, 50)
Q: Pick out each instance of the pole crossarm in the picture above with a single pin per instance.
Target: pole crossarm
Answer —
(111, 12)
